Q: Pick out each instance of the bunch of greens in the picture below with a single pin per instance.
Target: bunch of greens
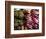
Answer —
(18, 17)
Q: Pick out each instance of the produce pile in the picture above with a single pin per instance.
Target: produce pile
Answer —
(23, 18)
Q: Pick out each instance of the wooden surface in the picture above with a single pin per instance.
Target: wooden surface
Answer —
(9, 0)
